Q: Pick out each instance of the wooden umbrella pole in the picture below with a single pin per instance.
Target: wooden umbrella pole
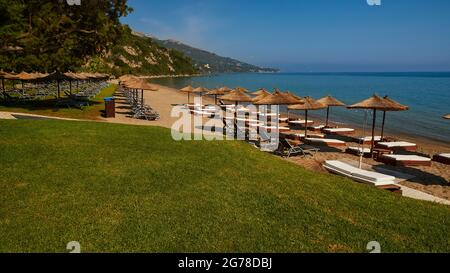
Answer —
(189, 97)
(382, 125)
(142, 97)
(328, 114)
(235, 120)
(306, 123)
(373, 130)
(70, 87)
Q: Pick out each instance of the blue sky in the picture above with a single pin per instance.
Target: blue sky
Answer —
(307, 35)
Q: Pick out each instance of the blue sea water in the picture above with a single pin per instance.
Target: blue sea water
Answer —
(427, 95)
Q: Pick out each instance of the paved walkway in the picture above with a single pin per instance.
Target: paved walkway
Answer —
(13, 115)
(415, 194)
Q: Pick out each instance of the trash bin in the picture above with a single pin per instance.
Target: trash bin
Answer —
(110, 107)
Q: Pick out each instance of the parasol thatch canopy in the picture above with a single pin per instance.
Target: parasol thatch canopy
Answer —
(375, 102)
(262, 96)
(447, 116)
(260, 92)
(187, 89)
(395, 106)
(277, 98)
(299, 99)
(308, 104)
(140, 84)
(236, 96)
(330, 101)
(215, 92)
(200, 90)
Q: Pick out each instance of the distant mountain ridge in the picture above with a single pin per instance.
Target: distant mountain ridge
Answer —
(207, 62)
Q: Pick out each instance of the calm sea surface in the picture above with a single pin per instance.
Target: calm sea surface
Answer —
(427, 95)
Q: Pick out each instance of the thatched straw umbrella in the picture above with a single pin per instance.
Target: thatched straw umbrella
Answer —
(260, 92)
(329, 101)
(447, 116)
(225, 89)
(139, 84)
(373, 103)
(216, 93)
(395, 106)
(308, 104)
(278, 98)
(236, 96)
(240, 89)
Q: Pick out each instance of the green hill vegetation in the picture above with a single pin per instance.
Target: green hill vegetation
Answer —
(208, 62)
(140, 55)
(46, 36)
(126, 188)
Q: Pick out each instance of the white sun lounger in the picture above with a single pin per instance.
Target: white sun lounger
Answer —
(367, 139)
(405, 160)
(301, 122)
(339, 131)
(368, 177)
(326, 142)
(202, 113)
(358, 150)
(317, 127)
(280, 128)
(398, 145)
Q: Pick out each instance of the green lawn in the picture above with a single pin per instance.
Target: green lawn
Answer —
(49, 108)
(118, 188)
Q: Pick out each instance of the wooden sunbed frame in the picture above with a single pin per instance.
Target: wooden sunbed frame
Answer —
(441, 159)
(403, 163)
(348, 133)
(398, 148)
(326, 144)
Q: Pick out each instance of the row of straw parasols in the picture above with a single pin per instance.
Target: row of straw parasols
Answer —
(263, 97)
(136, 84)
(46, 77)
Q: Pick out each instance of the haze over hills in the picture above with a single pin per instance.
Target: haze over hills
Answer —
(207, 62)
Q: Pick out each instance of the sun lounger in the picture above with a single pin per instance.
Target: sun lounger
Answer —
(398, 146)
(299, 135)
(442, 158)
(317, 127)
(358, 150)
(405, 160)
(367, 139)
(368, 177)
(270, 128)
(339, 131)
(288, 149)
(202, 113)
(326, 142)
(301, 122)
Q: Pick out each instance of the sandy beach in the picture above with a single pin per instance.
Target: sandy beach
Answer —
(433, 180)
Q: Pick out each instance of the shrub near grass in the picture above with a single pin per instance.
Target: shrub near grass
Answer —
(119, 188)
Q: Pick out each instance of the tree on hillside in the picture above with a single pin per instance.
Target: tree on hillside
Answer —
(48, 35)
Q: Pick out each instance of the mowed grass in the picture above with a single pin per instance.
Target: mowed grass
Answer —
(48, 107)
(119, 188)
